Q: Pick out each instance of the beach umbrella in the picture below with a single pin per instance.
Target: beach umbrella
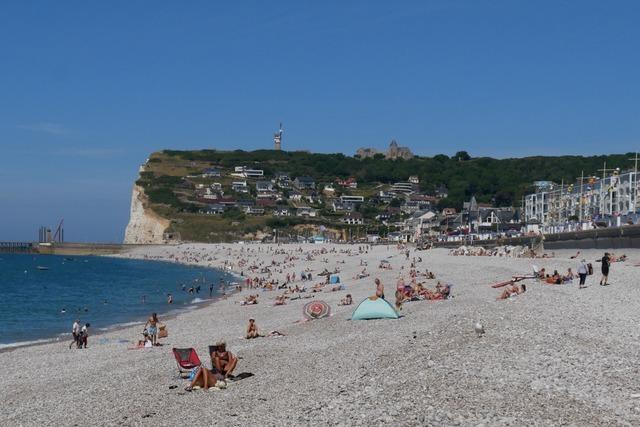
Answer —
(316, 310)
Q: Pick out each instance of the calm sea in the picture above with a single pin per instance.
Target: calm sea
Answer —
(42, 303)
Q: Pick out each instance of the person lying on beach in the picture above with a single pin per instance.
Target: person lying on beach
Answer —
(347, 300)
(554, 279)
(280, 300)
(542, 273)
(250, 300)
(621, 258)
(362, 274)
(512, 290)
(575, 256)
(252, 330)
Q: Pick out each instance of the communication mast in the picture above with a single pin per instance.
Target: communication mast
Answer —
(277, 138)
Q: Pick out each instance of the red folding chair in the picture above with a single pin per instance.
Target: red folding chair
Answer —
(186, 358)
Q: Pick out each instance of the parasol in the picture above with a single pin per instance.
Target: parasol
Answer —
(316, 310)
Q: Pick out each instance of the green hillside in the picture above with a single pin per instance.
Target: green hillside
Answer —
(171, 178)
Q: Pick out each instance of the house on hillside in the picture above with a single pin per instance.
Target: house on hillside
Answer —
(295, 196)
(339, 206)
(350, 182)
(442, 192)
(306, 211)
(240, 186)
(353, 218)
(211, 173)
(352, 199)
(282, 212)
(254, 210)
(264, 186)
(404, 188)
(304, 183)
(215, 209)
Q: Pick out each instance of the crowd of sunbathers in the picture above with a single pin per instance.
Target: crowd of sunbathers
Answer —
(416, 291)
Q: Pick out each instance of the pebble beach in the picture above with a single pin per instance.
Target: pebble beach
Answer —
(553, 356)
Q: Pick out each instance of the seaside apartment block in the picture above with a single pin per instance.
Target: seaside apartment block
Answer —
(592, 201)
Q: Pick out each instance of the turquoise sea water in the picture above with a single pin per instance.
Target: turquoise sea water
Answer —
(42, 303)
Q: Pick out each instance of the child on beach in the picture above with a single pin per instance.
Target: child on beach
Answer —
(84, 335)
(252, 330)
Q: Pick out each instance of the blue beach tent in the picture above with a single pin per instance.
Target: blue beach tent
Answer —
(334, 279)
(374, 308)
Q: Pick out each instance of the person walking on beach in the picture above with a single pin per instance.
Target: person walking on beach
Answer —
(75, 331)
(379, 288)
(583, 271)
(84, 335)
(606, 262)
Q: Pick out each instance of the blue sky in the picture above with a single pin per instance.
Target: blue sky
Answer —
(88, 89)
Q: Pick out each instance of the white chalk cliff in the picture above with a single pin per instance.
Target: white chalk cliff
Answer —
(145, 226)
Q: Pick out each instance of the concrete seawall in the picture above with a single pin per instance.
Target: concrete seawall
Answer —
(70, 248)
(604, 238)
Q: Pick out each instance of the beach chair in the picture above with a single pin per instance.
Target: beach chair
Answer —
(187, 359)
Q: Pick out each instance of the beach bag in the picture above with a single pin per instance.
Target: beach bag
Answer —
(163, 333)
(589, 269)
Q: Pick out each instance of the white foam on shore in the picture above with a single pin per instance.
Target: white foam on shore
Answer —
(26, 343)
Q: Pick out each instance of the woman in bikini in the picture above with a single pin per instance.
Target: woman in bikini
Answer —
(223, 361)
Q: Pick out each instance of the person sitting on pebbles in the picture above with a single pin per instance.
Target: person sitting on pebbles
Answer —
(223, 361)
(252, 330)
(347, 300)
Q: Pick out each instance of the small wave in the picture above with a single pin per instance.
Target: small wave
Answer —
(24, 343)
(197, 300)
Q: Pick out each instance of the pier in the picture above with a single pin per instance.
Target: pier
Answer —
(16, 247)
